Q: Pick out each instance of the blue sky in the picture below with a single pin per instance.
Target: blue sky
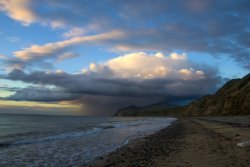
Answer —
(87, 52)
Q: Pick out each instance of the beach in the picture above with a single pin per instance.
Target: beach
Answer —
(205, 141)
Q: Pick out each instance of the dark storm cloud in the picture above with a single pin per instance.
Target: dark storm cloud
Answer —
(15, 63)
(99, 96)
(41, 94)
(107, 105)
(86, 84)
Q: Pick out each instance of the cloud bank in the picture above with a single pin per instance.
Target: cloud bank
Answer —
(119, 81)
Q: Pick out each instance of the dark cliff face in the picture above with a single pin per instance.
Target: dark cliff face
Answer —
(232, 99)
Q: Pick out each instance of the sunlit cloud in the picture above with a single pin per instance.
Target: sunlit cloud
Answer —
(11, 103)
(67, 55)
(38, 54)
(13, 39)
(74, 32)
(3, 56)
(38, 51)
(141, 65)
(5, 93)
(18, 10)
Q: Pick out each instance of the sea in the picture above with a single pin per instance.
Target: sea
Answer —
(41, 140)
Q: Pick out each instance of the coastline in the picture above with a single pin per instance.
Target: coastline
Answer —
(187, 142)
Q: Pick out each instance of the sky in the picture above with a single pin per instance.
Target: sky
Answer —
(84, 57)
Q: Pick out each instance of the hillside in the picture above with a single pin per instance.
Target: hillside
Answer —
(232, 99)
(159, 109)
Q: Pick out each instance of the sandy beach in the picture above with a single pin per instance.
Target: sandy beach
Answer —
(199, 142)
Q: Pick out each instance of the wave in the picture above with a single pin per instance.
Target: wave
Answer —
(33, 137)
(69, 135)
(58, 137)
(76, 144)
(50, 138)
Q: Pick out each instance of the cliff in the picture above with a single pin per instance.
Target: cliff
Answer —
(232, 99)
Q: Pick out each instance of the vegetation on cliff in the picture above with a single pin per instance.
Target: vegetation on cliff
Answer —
(232, 99)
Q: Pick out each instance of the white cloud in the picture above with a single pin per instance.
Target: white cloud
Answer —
(141, 65)
(186, 71)
(176, 56)
(18, 10)
(22, 11)
(3, 56)
(13, 39)
(199, 72)
(74, 32)
(47, 50)
(79, 31)
(40, 55)
(67, 55)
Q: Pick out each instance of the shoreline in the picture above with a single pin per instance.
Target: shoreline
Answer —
(186, 142)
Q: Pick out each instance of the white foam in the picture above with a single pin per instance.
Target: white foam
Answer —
(244, 144)
(76, 148)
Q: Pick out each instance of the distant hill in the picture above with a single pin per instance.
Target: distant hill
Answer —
(232, 99)
(159, 109)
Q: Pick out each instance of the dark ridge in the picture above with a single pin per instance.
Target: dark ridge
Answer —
(158, 109)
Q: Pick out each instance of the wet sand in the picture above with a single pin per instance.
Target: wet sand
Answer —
(199, 142)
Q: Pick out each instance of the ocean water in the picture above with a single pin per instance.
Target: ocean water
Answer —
(36, 140)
